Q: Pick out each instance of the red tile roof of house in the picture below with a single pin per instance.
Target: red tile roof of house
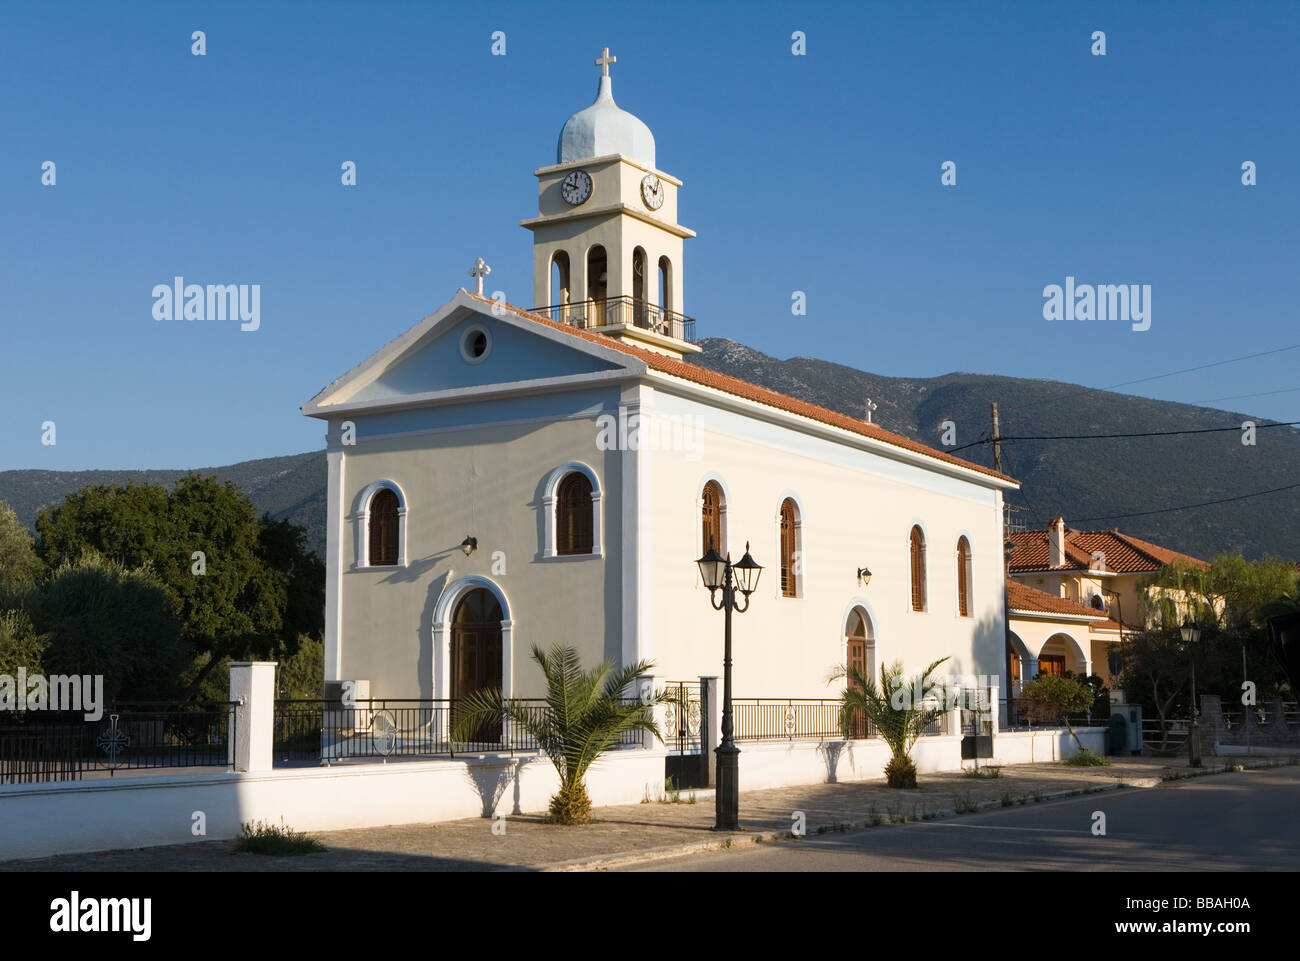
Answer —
(743, 388)
(1022, 597)
(1110, 624)
(1124, 553)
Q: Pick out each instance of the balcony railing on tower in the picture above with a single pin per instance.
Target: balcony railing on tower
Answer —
(621, 312)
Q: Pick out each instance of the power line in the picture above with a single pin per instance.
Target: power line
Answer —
(1154, 433)
(1217, 363)
(1184, 507)
(1262, 393)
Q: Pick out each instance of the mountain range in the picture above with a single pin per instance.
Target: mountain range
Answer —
(1092, 483)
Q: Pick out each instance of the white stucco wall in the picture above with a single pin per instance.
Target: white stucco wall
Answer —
(857, 510)
(486, 482)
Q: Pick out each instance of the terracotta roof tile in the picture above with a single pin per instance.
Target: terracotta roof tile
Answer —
(1110, 624)
(1124, 554)
(742, 388)
(1022, 597)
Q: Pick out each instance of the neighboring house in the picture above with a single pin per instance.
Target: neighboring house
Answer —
(1049, 634)
(500, 478)
(1105, 572)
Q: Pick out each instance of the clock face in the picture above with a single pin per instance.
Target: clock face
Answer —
(576, 187)
(652, 191)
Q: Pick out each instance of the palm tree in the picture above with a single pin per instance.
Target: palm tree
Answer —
(898, 709)
(584, 715)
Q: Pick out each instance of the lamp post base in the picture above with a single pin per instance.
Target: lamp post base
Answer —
(1194, 746)
(727, 796)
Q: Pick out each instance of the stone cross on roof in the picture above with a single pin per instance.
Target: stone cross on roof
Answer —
(604, 60)
(479, 271)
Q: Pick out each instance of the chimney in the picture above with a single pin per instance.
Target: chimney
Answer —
(1056, 541)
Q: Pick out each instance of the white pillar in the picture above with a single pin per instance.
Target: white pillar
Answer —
(334, 564)
(252, 687)
(710, 724)
(950, 723)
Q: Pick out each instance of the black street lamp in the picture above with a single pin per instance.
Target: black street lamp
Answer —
(721, 575)
(1191, 633)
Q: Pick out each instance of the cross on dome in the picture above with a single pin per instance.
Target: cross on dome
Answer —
(604, 60)
(604, 128)
(479, 271)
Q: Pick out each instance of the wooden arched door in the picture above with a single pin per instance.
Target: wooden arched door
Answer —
(476, 653)
(860, 650)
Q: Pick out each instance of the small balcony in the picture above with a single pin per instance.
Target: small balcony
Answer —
(615, 312)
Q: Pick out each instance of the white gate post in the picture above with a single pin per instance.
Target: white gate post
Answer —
(252, 687)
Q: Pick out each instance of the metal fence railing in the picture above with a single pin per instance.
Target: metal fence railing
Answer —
(42, 753)
(37, 746)
(1164, 738)
(1012, 717)
(621, 312)
(788, 719)
(1264, 718)
(320, 730)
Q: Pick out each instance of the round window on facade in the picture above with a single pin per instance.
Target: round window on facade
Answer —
(475, 345)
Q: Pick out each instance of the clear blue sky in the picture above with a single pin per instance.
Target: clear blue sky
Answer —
(817, 173)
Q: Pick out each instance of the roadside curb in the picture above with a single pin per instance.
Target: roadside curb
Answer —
(602, 862)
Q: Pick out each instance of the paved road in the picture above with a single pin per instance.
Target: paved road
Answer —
(1233, 822)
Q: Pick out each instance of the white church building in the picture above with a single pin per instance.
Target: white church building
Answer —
(501, 477)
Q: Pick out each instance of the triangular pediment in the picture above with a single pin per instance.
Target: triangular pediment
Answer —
(439, 359)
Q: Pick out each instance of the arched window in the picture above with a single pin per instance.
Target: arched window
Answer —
(641, 315)
(382, 520)
(597, 284)
(1098, 602)
(790, 566)
(666, 284)
(963, 577)
(560, 278)
(573, 515)
(712, 507)
(917, 542)
(638, 273)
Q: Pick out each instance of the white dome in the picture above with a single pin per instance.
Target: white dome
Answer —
(605, 128)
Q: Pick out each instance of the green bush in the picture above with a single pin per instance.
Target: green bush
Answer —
(1086, 758)
(260, 837)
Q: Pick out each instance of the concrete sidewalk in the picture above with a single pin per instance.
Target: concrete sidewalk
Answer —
(633, 833)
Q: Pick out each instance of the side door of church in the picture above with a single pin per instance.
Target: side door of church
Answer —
(476, 666)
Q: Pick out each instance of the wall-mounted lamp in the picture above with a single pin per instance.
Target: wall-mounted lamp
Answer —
(469, 545)
(864, 576)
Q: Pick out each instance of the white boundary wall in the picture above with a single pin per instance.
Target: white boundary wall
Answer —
(1044, 745)
(37, 820)
(767, 764)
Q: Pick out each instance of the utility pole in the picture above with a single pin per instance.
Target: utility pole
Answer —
(997, 441)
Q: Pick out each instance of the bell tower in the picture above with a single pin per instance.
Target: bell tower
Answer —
(607, 248)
